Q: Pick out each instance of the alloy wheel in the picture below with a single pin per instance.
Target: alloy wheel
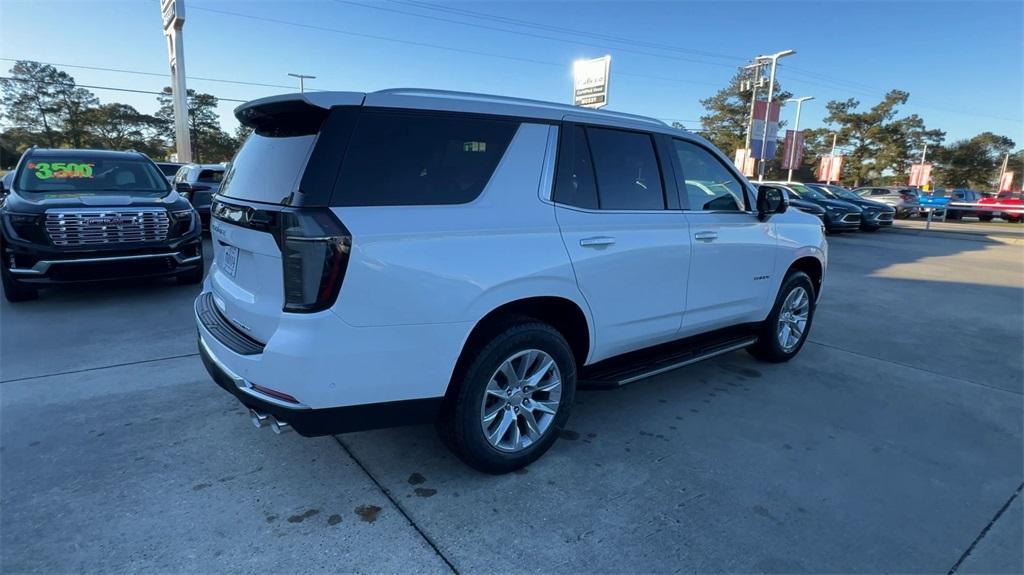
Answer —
(793, 318)
(521, 400)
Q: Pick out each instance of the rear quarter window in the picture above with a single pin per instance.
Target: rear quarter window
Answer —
(397, 158)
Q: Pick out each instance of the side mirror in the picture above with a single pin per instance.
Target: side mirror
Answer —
(201, 188)
(770, 200)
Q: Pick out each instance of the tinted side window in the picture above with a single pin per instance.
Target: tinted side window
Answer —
(709, 184)
(627, 171)
(407, 159)
(578, 187)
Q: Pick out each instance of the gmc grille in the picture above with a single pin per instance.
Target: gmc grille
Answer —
(98, 227)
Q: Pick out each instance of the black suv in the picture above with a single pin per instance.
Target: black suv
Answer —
(86, 215)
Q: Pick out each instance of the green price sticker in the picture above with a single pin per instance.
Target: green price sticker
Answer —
(61, 170)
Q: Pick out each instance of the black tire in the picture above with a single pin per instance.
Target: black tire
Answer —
(768, 347)
(15, 291)
(191, 277)
(985, 217)
(459, 423)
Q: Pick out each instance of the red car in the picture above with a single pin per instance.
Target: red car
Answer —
(1009, 199)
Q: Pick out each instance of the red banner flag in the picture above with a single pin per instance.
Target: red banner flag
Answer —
(1006, 182)
(793, 150)
(920, 175)
(830, 169)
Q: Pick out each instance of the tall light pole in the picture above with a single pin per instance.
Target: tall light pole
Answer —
(796, 130)
(774, 59)
(756, 67)
(302, 78)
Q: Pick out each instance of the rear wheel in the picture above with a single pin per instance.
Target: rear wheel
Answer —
(785, 330)
(513, 398)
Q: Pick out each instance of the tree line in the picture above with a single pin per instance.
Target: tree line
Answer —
(880, 143)
(45, 107)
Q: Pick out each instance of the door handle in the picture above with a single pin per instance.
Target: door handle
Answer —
(705, 236)
(597, 241)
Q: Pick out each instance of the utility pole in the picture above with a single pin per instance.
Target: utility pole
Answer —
(756, 67)
(774, 58)
(302, 78)
(831, 158)
(173, 14)
(796, 130)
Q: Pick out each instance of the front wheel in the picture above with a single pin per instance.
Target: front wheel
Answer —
(785, 330)
(513, 398)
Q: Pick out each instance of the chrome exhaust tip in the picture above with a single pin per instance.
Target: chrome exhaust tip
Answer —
(279, 427)
(258, 419)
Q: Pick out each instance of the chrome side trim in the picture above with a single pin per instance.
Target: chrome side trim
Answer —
(42, 266)
(738, 345)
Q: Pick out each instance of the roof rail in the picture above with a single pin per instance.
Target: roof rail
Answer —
(514, 100)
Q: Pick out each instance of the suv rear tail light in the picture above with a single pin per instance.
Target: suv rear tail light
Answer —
(315, 249)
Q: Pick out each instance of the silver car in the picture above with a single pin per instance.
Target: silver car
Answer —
(904, 199)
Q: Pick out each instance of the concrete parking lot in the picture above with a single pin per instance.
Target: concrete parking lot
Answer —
(892, 443)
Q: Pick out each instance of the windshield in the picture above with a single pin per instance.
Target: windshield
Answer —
(69, 176)
(806, 192)
(839, 192)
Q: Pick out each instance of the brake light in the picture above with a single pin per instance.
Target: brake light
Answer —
(315, 249)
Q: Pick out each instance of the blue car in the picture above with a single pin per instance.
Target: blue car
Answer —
(940, 198)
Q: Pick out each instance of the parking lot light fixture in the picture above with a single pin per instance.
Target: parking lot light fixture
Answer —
(774, 59)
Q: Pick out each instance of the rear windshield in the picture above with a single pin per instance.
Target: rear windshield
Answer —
(168, 169)
(65, 175)
(267, 169)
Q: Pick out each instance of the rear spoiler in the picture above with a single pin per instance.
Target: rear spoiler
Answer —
(293, 114)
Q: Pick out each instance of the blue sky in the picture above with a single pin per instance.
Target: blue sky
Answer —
(960, 61)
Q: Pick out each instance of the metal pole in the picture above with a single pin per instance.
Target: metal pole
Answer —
(831, 158)
(172, 12)
(302, 78)
(924, 154)
(753, 102)
(796, 130)
(768, 107)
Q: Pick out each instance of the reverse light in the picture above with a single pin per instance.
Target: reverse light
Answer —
(315, 249)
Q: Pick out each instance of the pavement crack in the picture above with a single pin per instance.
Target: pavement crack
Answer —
(98, 368)
(387, 493)
(914, 367)
(985, 531)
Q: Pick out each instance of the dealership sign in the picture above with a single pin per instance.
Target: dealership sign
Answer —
(920, 174)
(764, 134)
(590, 82)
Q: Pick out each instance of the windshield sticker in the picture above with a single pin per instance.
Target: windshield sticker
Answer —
(60, 170)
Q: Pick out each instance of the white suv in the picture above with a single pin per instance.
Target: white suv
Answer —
(414, 256)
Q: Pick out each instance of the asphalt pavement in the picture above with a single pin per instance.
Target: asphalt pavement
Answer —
(892, 443)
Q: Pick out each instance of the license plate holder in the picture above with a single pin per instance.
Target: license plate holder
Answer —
(230, 263)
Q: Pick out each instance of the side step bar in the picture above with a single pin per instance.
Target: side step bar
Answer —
(633, 367)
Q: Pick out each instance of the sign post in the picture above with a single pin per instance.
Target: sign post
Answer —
(590, 82)
(173, 14)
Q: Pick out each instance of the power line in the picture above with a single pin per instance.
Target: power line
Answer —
(141, 73)
(427, 44)
(564, 30)
(112, 88)
(532, 35)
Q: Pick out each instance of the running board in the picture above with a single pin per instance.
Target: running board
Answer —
(633, 367)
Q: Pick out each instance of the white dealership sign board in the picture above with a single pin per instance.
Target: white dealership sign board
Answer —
(590, 82)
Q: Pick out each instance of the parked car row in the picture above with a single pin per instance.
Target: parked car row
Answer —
(839, 209)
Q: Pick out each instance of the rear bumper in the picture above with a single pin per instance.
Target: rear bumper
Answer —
(343, 378)
(326, 421)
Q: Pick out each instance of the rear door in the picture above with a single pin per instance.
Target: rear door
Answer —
(733, 254)
(628, 241)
